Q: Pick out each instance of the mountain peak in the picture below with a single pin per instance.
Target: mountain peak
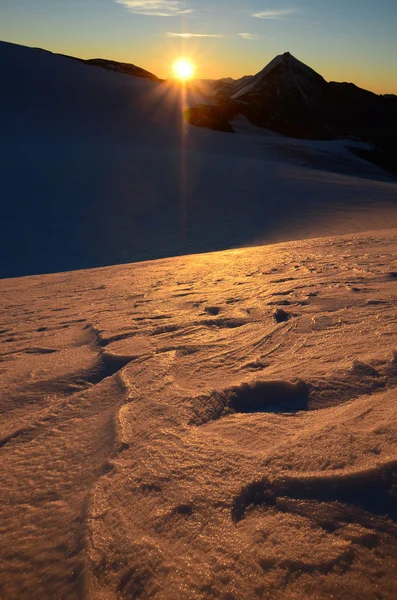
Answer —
(290, 58)
(286, 59)
(285, 67)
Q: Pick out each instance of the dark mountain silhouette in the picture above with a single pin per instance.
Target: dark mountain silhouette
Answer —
(286, 74)
(290, 98)
(112, 65)
(285, 96)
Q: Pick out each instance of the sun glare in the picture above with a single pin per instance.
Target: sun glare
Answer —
(183, 70)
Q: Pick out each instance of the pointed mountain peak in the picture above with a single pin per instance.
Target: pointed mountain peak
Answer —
(286, 60)
(283, 71)
(287, 57)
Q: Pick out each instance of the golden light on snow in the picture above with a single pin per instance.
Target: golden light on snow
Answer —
(183, 69)
(279, 435)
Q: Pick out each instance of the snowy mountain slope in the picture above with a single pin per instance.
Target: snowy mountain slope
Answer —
(213, 426)
(44, 91)
(98, 168)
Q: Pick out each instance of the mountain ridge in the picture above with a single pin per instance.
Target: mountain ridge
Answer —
(110, 65)
(289, 97)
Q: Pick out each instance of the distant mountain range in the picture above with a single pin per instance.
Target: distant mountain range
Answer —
(98, 168)
(289, 97)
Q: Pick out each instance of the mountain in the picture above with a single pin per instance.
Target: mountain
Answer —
(118, 67)
(98, 167)
(289, 97)
(288, 76)
(285, 95)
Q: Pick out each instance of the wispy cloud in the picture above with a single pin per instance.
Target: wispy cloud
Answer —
(276, 14)
(194, 35)
(156, 8)
(248, 36)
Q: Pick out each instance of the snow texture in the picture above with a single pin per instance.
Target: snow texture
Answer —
(212, 426)
(163, 436)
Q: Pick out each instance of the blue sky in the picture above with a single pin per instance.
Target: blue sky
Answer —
(345, 40)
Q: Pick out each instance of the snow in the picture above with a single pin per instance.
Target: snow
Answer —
(218, 425)
(99, 168)
(163, 436)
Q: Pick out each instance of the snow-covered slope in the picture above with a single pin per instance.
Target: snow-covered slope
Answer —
(212, 426)
(52, 95)
(98, 168)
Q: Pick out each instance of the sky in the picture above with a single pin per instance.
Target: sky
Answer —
(343, 40)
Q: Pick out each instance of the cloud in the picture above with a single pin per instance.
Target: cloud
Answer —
(277, 15)
(156, 8)
(248, 36)
(194, 35)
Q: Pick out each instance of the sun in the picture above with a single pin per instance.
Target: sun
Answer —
(183, 69)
